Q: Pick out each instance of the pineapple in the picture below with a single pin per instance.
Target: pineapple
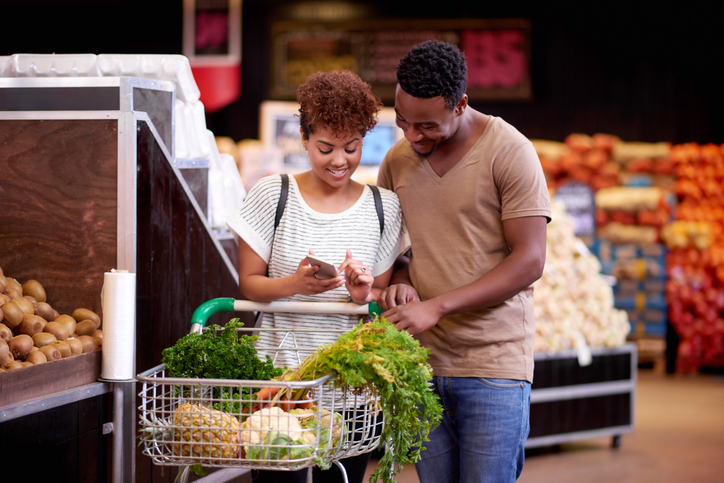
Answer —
(206, 432)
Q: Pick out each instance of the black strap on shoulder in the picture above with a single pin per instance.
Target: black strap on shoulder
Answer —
(277, 218)
(283, 203)
(378, 206)
(282, 200)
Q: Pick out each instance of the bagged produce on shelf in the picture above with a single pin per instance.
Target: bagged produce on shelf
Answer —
(572, 298)
(630, 199)
(695, 262)
(620, 233)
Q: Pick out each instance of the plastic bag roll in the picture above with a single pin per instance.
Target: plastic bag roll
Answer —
(118, 299)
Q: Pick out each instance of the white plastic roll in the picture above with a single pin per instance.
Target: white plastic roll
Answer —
(118, 299)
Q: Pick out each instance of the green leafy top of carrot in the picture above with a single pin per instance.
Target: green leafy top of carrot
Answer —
(393, 364)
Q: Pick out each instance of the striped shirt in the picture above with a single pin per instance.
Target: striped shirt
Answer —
(330, 235)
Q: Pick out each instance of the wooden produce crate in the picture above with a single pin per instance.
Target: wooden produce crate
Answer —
(22, 385)
(90, 183)
(571, 402)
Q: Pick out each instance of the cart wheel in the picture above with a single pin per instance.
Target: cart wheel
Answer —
(616, 441)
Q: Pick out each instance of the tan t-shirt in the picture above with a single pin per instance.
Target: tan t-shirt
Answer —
(456, 235)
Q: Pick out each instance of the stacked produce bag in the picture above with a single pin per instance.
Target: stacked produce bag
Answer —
(573, 301)
(695, 261)
(660, 218)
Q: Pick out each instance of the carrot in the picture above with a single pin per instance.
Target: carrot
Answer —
(305, 405)
(265, 396)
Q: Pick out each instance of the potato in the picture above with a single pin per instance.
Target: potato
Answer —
(85, 327)
(51, 353)
(76, 346)
(11, 283)
(85, 314)
(63, 347)
(5, 333)
(45, 311)
(12, 365)
(4, 351)
(57, 330)
(68, 322)
(13, 314)
(25, 305)
(34, 289)
(31, 325)
(13, 293)
(89, 344)
(20, 346)
(36, 357)
(43, 338)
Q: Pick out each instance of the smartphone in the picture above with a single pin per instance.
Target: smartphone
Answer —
(326, 269)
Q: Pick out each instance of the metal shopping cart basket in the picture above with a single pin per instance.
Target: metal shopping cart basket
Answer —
(243, 423)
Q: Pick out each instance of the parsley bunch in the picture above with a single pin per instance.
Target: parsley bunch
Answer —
(378, 356)
(223, 356)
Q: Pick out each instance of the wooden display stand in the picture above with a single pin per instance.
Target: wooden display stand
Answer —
(89, 183)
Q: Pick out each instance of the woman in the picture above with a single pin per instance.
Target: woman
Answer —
(326, 214)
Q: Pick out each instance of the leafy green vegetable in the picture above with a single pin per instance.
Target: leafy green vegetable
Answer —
(277, 446)
(378, 356)
(223, 356)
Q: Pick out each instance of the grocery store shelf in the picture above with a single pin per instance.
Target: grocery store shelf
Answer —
(36, 405)
(580, 391)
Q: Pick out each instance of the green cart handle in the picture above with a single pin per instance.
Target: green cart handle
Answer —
(221, 305)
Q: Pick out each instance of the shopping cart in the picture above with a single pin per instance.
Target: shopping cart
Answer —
(243, 423)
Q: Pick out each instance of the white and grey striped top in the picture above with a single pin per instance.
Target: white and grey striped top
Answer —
(330, 235)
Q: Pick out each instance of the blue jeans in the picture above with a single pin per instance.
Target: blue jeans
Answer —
(482, 434)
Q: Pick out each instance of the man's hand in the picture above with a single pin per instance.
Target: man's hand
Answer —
(414, 317)
(398, 294)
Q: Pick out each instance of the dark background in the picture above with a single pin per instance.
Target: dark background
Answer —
(645, 71)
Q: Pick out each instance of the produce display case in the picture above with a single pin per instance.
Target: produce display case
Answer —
(570, 401)
(92, 184)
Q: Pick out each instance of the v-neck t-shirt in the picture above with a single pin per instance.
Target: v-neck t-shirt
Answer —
(455, 227)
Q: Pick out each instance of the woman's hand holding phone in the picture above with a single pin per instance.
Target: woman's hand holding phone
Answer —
(307, 278)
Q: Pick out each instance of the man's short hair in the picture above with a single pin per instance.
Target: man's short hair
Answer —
(434, 68)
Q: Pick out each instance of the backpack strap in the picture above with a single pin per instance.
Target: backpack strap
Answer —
(282, 200)
(283, 203)
(277, 218)
(378, 206)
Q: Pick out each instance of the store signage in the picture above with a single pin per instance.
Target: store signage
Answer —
(497, 51)
(212, 43)
(580, 202)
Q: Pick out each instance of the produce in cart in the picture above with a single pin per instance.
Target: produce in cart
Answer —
(215, 433)
(372, 383)
(376, 355)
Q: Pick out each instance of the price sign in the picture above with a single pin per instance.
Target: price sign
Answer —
(580, 202)
(496, 58)
(497, 52)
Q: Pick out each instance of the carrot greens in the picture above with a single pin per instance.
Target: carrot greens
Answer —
(378, 356)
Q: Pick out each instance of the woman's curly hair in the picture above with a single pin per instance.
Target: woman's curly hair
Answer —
(434, 68)
(339, 101)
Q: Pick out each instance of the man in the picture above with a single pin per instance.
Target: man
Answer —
(476, 206)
